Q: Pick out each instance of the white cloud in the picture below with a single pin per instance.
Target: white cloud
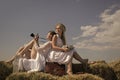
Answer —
(75, 38)
(88, 30)
(104, 36)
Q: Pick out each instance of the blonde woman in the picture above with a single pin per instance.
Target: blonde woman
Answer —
(60, 54)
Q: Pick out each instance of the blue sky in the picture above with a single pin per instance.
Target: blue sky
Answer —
(92, 25)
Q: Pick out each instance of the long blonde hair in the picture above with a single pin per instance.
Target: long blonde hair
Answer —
(63, 32)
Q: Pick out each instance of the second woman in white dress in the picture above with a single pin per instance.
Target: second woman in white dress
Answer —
(38, 63)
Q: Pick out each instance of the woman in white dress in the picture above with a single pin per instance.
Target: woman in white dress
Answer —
(60, 54)
(38, 63)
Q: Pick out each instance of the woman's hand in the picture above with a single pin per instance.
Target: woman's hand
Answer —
(65, 49)
(36, 37)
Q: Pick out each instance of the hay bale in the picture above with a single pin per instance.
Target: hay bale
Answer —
(55, 68)
(115, 65)
(97, 71)
(102, 69)
(44, 76)
(59, 70)
(80, 77)
(30, 76)
(78, 68)
(5, 70)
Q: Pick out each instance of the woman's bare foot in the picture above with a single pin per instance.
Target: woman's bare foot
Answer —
(92, 62)
(69, 73)
(9, 61)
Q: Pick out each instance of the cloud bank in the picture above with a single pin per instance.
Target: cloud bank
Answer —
(105, 35)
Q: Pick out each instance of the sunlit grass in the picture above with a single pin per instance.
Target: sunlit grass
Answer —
(97, 71)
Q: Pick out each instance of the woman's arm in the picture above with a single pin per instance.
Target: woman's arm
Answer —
(42, 47)
(55, 47)
(36, 44)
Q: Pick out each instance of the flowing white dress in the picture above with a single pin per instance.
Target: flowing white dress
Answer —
(59, 56)
(37, 64)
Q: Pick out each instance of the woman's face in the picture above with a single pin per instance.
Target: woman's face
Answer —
(49, 36)
(58, 30)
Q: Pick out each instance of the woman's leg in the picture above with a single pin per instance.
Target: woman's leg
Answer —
(33, 53)
(79, 58)
(84, 61)
(69, 67)
(26, 48)
(23, 50)
(11, 60)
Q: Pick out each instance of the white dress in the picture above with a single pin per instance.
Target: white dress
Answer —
(37, 64)
(59, 56)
